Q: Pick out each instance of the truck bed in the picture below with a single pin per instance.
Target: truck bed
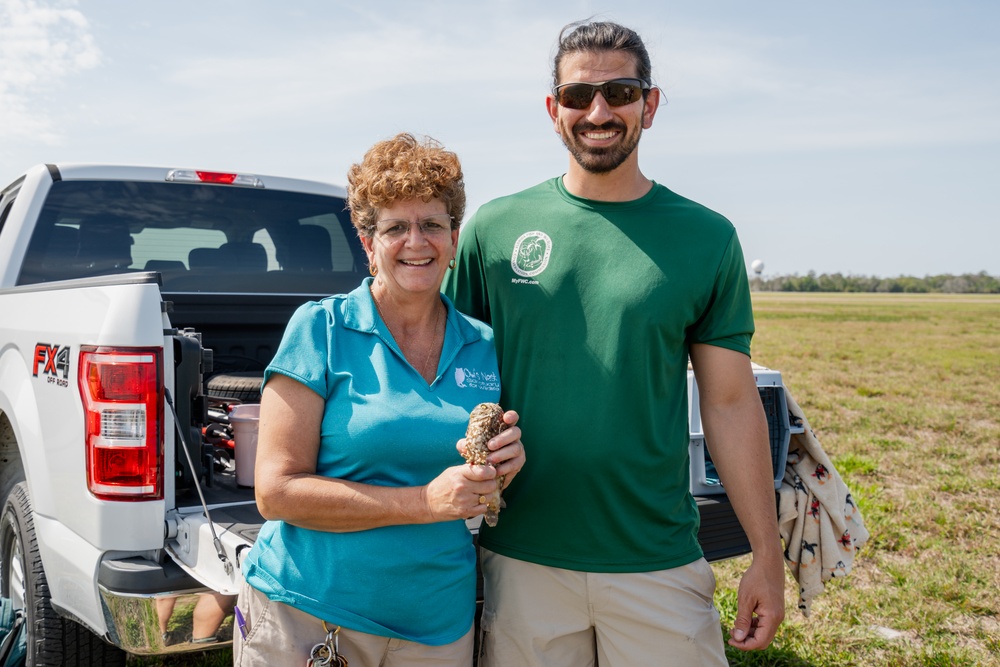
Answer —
(233, 509)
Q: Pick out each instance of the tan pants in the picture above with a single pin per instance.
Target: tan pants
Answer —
(538, 616)
(279, 635)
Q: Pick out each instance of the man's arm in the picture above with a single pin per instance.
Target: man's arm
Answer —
(737, 438)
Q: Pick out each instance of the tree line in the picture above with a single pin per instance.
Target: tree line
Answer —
(967, 283)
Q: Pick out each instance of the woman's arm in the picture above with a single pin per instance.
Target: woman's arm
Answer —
(288, 488)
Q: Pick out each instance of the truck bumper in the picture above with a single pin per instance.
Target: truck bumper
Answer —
(156, 608)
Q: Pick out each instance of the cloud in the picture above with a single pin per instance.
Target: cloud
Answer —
(302, 95)
(41, 44)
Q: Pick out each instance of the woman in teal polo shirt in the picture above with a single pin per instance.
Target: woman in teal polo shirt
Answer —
(358, 472)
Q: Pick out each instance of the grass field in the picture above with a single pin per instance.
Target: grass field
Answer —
(904, 394)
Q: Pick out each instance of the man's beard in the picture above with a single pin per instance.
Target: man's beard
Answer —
(600, 160)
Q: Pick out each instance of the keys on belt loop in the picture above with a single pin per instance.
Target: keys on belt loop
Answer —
(327, 653)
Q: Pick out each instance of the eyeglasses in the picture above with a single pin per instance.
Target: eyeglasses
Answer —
(617, 92)
(433, 226)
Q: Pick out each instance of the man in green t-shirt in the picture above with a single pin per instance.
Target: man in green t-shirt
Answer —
(599, 286)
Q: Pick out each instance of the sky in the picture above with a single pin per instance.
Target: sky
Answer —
(860, 138)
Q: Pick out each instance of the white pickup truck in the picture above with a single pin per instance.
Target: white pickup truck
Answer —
(138, 306)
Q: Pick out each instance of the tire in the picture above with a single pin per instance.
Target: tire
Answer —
(242, 385)
(52, 640)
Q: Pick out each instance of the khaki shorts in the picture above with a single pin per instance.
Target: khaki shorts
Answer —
(539, 616)
(278, 635)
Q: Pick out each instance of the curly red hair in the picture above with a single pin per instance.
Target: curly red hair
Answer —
(404, 168)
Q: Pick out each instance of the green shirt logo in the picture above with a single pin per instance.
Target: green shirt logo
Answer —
(531, 254)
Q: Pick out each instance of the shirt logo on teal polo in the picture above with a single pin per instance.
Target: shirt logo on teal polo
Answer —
(469, 378)
(531, 254)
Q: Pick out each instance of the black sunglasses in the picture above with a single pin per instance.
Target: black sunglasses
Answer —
(617, 93)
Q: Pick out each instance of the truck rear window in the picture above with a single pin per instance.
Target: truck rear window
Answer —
(200, 238)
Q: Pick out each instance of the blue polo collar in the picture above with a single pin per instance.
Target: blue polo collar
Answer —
(361, 315)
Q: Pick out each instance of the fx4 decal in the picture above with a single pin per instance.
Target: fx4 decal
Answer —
(54, 362)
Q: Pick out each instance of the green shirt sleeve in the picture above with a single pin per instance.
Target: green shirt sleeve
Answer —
(728, 318)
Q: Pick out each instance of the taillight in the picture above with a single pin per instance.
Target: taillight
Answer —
(122, 390)
(216, 177)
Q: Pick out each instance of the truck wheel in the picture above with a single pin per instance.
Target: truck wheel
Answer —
(52, 639)
(242, 385)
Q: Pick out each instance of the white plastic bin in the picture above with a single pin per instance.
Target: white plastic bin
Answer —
(704, 478)
(244, 419)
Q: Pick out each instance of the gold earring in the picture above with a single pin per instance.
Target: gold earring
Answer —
(372, 269)
(451, 264)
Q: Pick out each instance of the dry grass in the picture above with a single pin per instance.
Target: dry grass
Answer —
(904, 393)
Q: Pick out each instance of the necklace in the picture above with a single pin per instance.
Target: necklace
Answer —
(424, 369)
